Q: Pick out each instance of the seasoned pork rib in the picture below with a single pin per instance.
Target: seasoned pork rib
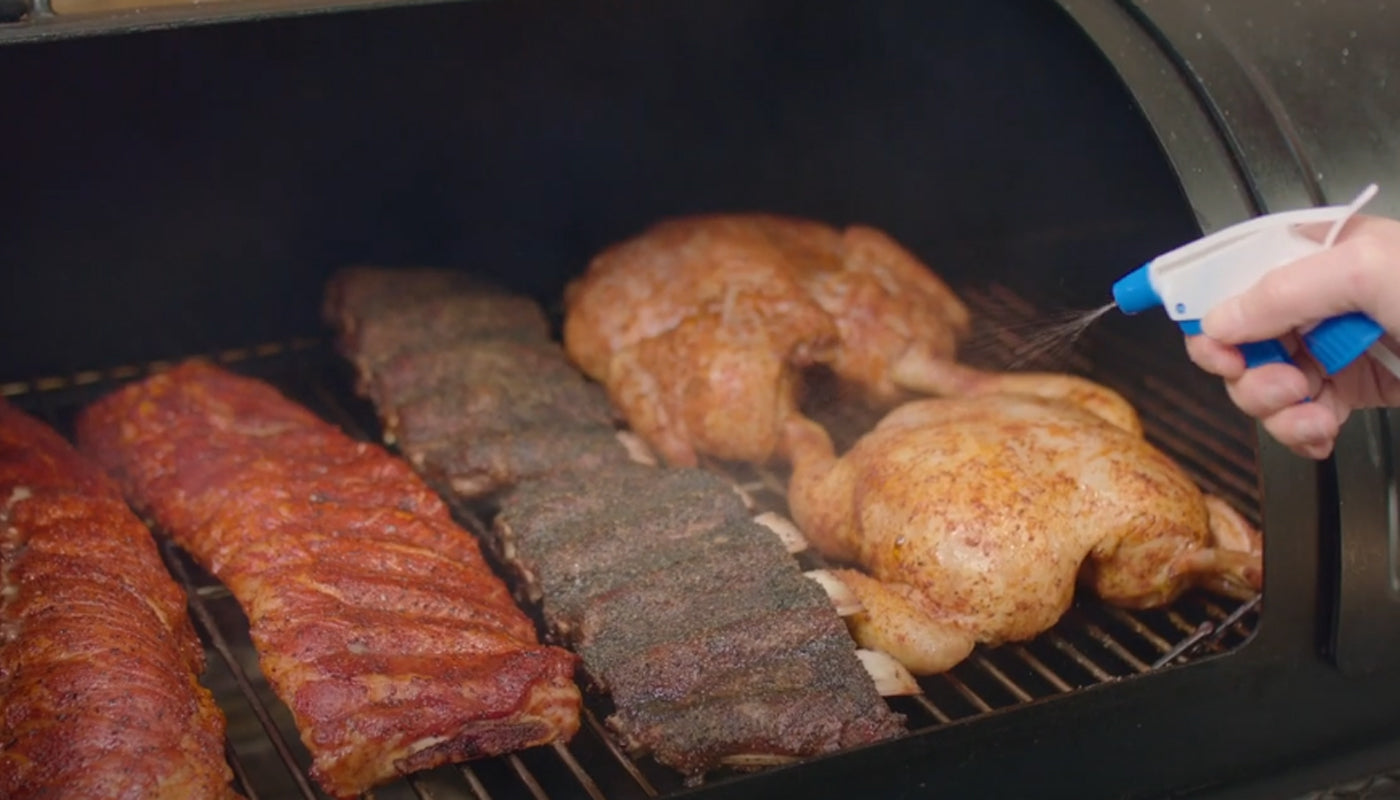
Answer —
(375, 618)
(465, 379)
(714, 646)
(380, 313)
(99, 665)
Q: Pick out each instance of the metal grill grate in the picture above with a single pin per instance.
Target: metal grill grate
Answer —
(1093, 644)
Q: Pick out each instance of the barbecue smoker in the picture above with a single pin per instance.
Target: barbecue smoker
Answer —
(182, 180)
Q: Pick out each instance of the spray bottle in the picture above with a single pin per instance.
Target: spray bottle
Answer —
(1190, 280)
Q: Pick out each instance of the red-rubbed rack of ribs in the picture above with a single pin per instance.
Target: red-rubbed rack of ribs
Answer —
(99, 664)
(375, 618)
(714, 646)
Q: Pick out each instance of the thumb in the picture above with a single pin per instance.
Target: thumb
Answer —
(1360, 273)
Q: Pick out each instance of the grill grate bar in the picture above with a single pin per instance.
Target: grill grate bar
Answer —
(1198, 635)
(583, 777)
(1180, 623)
(967, 693)
(1231, 620)
(1063, 645)
(1010, 685)
(1114, 647)
(240, 772)
(622, 758)
(929, 706)
(478, 788)
(1039, 666)
(206, 621)
(526, 777)
(1138, 628)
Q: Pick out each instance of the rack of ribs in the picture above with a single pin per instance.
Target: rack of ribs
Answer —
(99, 664)
(441, 356)
(375, 617)
(715, 648)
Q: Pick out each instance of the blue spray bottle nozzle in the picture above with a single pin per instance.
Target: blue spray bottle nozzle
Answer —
(1133, 293)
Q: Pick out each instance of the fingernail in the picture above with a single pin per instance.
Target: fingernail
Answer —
(1317, 450)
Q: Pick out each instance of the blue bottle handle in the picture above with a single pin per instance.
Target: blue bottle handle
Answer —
(1333, 343)
(1269, 351)
(1338, 341)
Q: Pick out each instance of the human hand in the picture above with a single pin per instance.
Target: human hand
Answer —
(1361, 272)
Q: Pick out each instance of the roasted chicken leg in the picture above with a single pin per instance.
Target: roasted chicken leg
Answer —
(975, 515)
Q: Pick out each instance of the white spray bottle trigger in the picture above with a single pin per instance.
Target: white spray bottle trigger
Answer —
(1190, 280)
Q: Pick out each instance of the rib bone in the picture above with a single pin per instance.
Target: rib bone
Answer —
(841, 595)
(890, 676)
(792, 538)
(637, 449)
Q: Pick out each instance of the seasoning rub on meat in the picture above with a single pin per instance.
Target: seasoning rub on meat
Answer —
(714, 646)
(375, 618)
(99, 665)
(466, 380)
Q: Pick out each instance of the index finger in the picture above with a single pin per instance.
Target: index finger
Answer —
(1360, 273)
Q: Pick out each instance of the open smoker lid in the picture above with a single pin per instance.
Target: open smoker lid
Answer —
(1265, 107)
(1262, 107)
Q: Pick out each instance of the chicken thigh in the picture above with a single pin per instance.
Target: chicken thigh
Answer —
(974, 516)
(700, 326)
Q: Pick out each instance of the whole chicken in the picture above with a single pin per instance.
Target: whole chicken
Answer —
(700, 327)
(975, 515)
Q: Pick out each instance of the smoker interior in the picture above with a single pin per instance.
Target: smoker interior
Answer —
(186, 192)
(1093, 645)
(189, 190)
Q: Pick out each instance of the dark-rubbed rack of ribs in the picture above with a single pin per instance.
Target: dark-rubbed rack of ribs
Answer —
(441, 354)
(716, 650)
(99, 664)
(375, 617)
